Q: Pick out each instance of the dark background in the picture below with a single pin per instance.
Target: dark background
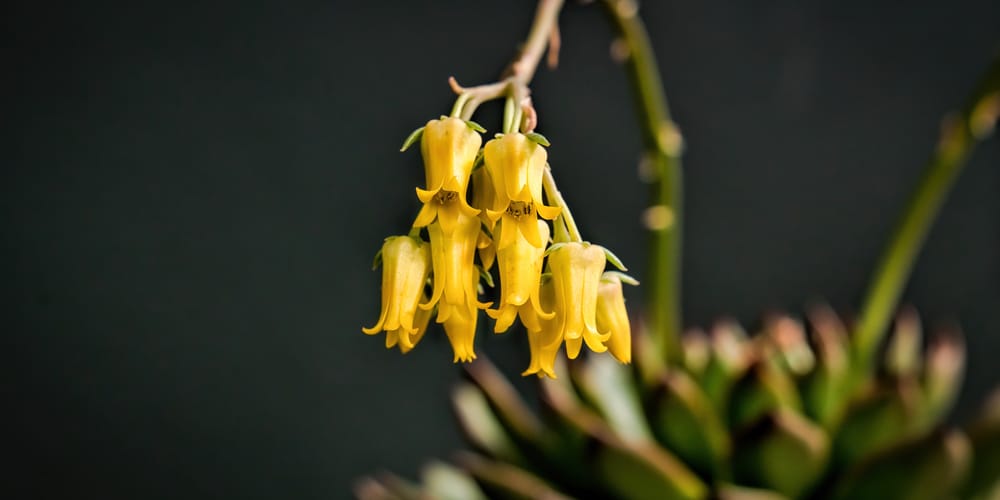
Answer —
(192, 194)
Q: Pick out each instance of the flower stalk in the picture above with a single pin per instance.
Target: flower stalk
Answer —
(959, 134)
(663, 144)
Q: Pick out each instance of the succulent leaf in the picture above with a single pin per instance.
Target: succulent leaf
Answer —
(984, 475)
(480, 425)
(507, 481)
(877, 421)
(762, 390)
(783, 452)
(607, 385)
(925, 469)
(688, 424)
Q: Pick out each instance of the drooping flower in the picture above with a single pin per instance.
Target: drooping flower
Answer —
(455, 282)
(406, 263)
(516, 166)
(576, 273)
(406, 342)
(544, 335)
(520, 271)
(460, 327)
(612, 317)
(449, 148)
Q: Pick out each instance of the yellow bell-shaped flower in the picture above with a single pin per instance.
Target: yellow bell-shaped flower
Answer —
(460, 327)
(406, 263)
(516, 165)
(407, 342)
(455, 274)
(612, 317)
(520, 273)
(544, 335)
(576, 272)
(449, 148)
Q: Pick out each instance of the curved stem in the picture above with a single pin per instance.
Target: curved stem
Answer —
(959, 134)
(549, 183)
(515, 81)
(663, 147)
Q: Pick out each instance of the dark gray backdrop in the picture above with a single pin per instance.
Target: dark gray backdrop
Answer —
(193, 191)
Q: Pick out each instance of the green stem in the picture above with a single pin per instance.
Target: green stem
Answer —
(959, 134)
(663, 147)
(549, 183)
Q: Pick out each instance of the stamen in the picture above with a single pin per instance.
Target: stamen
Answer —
(443, 196)
(518, 208)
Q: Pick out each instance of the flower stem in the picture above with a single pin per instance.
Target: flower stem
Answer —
(549, 183)
(663, 147)
(959, 134)
(514, 82)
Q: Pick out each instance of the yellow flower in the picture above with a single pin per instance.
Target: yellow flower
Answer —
(483, 196)
(576, 272)
(613, 318)
(520, 272)
(405, 341)
(449, 147)
(455, 275)
(544, 335)
(460, 327)
(516, 165)
(406, 263)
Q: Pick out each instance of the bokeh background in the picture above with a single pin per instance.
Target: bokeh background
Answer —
(192, 193)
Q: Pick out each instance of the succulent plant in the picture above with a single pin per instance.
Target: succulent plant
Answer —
(772, 416)
(819, 409)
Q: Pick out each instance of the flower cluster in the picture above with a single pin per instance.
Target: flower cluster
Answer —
(550, 279)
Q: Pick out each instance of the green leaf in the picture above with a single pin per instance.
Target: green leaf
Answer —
(783, 452)
(729, 361)
(902, 357)
(614, 260)
(926, 469)
(644, 471)
(787, 338)
(984, 477)
(734, 492)
(445, 482)
(631, 471)
(388, 486)
(507, 406)
(608, 385)
(475, 126)
(825, 390)
(688, 424)
(412, 138)
(538, 138)
(624, 278)
(480, 425)
(877, 422)
(553, 247)
(942, 379)
(508, 480)
(763, 389)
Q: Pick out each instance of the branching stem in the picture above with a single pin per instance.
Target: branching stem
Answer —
(514, 83)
